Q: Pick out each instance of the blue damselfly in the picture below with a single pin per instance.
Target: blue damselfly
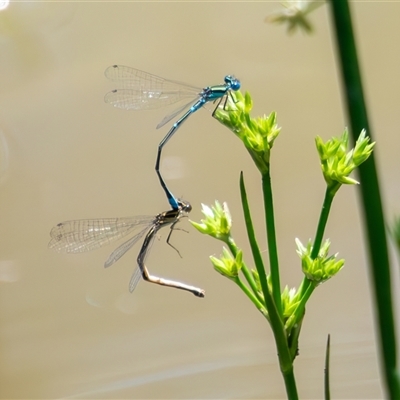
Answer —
(140, 90)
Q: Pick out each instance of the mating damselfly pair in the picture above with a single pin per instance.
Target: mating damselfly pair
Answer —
(140, 90)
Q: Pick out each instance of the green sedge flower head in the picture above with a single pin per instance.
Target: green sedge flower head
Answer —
(336, 163)
(323, 267)
(295, 15)
(217, 222)
(290, 301)
(257, 134)
(227, 265)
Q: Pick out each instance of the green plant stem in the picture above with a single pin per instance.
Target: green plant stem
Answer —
(259, 305)
(271, 238)
(370, 194)
(245, 270)
(293, 339)
(323, 218)
(276, 322)
(307, 287)
(327, 390)
(290, 384)
(253, 243)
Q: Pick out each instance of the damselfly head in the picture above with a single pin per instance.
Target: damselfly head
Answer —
(184, 206)
(233, 83)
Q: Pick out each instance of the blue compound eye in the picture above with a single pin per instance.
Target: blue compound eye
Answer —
(232, 82)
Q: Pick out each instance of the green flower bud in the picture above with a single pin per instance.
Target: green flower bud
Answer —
(227, 265)
(217, 222)
(290, 301)
(336, 163)
(322, 267)
(257, 134)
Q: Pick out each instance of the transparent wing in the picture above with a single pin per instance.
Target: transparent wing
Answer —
(137, 274)
(130, 77)
(89, 234)
(121, 250)
(131, 99)
(180, 110)
(140, 90)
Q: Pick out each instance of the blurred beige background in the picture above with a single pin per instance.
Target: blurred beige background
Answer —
(68, 327)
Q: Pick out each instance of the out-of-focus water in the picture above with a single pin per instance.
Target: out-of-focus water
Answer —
(68, 327)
